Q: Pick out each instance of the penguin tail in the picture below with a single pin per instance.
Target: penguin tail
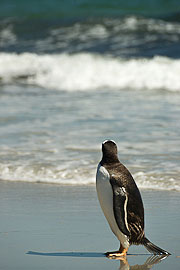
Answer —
(153, 248)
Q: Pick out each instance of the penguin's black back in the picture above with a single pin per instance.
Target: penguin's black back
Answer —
(119, 175)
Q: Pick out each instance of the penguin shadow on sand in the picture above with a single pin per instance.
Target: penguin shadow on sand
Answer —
(124, 264)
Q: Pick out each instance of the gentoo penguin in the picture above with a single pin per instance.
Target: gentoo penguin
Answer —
(121, 202)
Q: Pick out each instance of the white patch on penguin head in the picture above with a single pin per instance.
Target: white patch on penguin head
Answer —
(109, 141)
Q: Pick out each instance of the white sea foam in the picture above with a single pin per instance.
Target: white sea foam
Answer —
(149, 181)
(42, 174)
(7, 37)
(90, 71)
(154, 25)
(57, 175)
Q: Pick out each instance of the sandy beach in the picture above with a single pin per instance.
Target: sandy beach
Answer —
(62, 227)
(72, 75)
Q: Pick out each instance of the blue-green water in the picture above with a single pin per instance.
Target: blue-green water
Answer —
(78, 9)
(74, 73)
(123, 28)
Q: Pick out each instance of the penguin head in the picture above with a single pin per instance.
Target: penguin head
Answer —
(109, 150)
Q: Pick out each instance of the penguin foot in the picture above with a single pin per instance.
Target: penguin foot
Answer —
(116, 254)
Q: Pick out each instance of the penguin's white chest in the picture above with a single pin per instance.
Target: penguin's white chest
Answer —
(105, 196)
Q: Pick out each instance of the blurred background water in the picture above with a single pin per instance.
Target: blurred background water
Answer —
(74, 73)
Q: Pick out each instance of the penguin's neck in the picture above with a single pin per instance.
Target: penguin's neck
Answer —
(109, 159)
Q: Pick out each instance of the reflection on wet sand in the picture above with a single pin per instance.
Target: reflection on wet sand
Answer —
(149, 263)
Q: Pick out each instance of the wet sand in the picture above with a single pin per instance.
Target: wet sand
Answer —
(62, 227)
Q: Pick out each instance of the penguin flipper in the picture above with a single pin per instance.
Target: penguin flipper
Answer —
(120, 208)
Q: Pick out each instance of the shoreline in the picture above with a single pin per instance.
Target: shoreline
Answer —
(88, 184)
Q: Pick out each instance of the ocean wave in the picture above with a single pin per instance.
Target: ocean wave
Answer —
(83, 176)
(126, 35)
(45, 174)
(85, 71)
(157, 182)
